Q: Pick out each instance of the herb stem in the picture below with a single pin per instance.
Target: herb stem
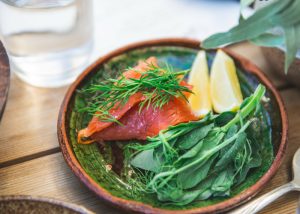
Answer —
(207, 155)
(246, 110)
(157, 85)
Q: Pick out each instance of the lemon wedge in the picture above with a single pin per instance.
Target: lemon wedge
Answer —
(225, 88)
(200, 101)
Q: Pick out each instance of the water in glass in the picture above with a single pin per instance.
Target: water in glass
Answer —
(48, 41)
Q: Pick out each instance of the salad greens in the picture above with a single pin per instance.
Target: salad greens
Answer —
(200, 159)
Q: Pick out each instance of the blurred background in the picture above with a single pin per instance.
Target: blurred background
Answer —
(63, 36)
(121, 22)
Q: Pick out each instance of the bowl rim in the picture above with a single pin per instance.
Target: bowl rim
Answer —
(132, 205)
(5, 78)
(41, 199)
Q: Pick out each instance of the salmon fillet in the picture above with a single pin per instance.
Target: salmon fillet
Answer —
(138, 124)
(147, 123)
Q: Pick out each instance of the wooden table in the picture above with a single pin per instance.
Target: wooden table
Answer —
(31, 161)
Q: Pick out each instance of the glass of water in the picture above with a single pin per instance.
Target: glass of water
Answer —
(48, 41)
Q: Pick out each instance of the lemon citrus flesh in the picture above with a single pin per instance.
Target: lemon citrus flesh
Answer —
(225, 88)
(200, 101)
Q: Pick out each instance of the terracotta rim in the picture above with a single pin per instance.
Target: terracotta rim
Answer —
(71, 206)
(4, 78)
(141, 207)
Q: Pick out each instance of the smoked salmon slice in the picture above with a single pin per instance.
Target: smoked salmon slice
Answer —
(147, 123)
(136, 123)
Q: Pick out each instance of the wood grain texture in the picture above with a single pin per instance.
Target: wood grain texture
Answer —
(32, 111)
(29, 127)
(256, 56)
(50, 176)
(4, 78)
(289, 202)
(26, 204)
(133, 205)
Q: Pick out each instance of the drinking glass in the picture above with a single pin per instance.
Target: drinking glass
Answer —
(48, 41)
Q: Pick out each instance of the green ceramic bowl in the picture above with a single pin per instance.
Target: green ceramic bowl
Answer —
(91, 163)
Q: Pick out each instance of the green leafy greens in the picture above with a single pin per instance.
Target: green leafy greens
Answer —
(200, 159)
(278, 14)
(158, 86)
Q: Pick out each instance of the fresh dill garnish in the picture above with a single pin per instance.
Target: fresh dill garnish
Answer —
(158, 86)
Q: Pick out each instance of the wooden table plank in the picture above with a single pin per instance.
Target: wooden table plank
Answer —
(50, 176)
(288, 203)
(255, 55)
(28, 127)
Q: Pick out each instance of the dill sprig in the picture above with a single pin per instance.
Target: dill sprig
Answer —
(158, 86)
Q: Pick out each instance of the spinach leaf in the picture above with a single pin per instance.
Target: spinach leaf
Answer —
(187, 197)
(231, 131)
(193, 137)
(223, 182)
(170, 194)
(145, 160)
(202, 159)
(197, 174)
(192, 152)
(231, 153)
(247, 159)
(224, 118)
